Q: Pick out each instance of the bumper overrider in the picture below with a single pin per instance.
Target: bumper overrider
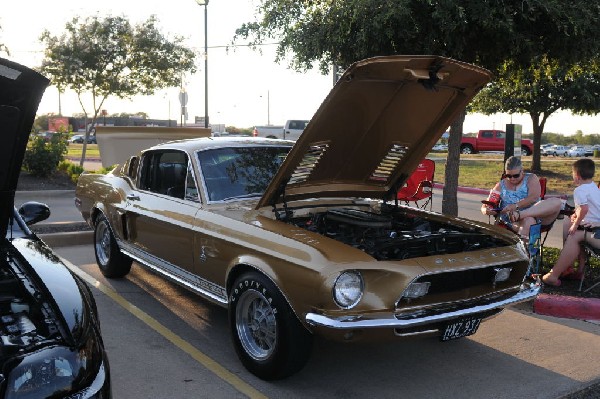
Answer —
(424, 318)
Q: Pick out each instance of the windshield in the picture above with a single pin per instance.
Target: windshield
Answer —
(239, 172)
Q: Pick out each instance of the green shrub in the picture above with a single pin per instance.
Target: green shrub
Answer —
(74, 171)
(63, 166)
(104, 171)
(42, 158)
(551, 256)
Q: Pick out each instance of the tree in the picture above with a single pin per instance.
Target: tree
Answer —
(108, 56)
(487, 33)
(540, 89)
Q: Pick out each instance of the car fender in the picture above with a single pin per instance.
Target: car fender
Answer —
(243, 264)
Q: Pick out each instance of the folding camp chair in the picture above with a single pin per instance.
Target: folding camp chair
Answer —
(535, 249)
(419, 186)
(590, 252)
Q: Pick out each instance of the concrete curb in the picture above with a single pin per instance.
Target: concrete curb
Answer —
(68, 239)
(567, 307)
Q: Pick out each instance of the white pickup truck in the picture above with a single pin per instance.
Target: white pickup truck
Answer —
(269, 131)
(291, 131)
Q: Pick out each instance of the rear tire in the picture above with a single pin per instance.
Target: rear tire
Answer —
(467, 149)
(268, 338)
(111, 261)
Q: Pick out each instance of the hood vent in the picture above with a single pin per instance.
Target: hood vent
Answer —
(309, 163)
(389, 163)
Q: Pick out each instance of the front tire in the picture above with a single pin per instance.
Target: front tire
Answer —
(268, 338)
(111, 261)
(525, 150)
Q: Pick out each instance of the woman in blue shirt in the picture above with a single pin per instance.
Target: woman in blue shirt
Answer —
(518, 194)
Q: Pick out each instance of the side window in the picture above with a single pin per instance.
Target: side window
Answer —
(148, 173)
(131, 167)
(487, 135)
(191, 190)
(164, 172)
(500, 135)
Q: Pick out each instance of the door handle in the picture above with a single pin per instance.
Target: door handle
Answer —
(133, 197)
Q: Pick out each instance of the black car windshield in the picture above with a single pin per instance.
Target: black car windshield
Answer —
(239, 172)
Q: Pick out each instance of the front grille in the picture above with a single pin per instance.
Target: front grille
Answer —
(462, 285)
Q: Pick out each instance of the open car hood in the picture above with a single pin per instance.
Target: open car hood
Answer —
(21, 90)
(378, 122)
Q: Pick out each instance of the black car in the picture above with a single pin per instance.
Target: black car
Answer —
(51, 345)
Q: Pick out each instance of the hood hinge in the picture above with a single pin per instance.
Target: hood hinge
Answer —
(281, 192)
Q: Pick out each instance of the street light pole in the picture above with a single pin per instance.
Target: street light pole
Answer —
(205, 4)
(268, 107)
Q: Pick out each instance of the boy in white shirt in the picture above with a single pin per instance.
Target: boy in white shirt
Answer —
(587, 213)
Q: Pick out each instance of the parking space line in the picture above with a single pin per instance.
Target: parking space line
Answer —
(182, 344)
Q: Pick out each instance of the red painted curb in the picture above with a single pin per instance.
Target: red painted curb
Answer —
(568, 307)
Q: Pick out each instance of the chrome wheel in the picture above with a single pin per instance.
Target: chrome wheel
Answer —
(102, 244)
(111, 261)
(256, 325)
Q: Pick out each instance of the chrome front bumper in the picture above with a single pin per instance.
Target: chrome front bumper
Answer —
(362, 322)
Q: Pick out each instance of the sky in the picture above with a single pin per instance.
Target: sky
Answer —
(245, 87)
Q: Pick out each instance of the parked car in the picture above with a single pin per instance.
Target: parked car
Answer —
(308, 238)
(51, 342)
(544, 147)
(92, 139)
(440, 147)
(47, 136)
(547, 149)
(491, 140)
(577, 151)
(76, 138)
(558, 150)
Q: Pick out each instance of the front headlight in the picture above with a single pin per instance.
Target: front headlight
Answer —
(54, 371)
(348, 289)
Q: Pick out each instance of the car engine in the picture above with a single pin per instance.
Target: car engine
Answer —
(24, 320)
(395, 233)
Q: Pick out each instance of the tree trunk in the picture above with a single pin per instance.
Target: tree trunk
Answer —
(538, 129)
(449, 197)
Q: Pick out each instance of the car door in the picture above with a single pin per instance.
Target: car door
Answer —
(159, 215)
(486, 141)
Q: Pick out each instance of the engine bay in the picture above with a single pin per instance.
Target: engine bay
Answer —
(395, 233)
(25, 321)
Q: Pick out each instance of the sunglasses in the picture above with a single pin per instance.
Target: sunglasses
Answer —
(512, 176)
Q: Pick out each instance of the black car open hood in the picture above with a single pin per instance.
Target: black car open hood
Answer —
(21, 90)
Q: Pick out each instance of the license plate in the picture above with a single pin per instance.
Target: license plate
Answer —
(460, 328)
